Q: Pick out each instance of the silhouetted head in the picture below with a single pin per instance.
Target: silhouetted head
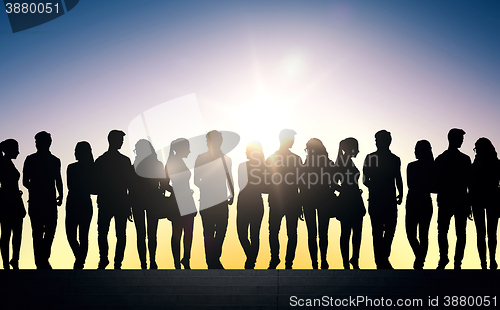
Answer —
(254, 152)
(315, 147)
(144, 148)
(83, 152)
(287, 138)
(115, 139)
(485, 149)
(214, 138)
(10, 148)
(383, 140)
(349, 146)
(456, 138)
(423, 150)
(179, 147)
(43, 140)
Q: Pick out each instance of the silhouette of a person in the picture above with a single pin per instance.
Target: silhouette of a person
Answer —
(114, 176)
(453, 170)
(145, 194)
(250, 206)
(419, 176)
(283, 197)
(381, 171)
(316, 199)
(81, 184)
(178, 173)
(12, 209)
(42, 176)
(212, 174)
(352, 208)
(484, 193)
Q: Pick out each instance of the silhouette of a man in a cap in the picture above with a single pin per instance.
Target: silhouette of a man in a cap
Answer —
(114, 178)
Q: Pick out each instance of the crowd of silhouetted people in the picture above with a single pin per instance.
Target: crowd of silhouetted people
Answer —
(314, 190)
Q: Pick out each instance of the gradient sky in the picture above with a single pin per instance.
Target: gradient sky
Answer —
(327, 69)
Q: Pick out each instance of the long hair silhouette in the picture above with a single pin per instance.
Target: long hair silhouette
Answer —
(485, 198)
(12, 209)
(418, 202)
(178, 173)
(351, 209)
(81, 179)
(316, 201)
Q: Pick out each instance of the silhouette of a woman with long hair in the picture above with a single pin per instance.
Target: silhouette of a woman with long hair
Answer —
(315, 198)
(250, 206)
(418, 202)
(485, 198)
(12, 209)
(146, 193)
(178, 173)
(351, 207)
(81, 179)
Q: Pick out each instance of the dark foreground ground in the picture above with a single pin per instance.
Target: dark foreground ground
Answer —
(249, 289)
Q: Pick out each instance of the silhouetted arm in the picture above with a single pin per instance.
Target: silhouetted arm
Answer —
(197, 173)
(27, 173)
(230, 180)
(336, 177)
(399, 185)
(59, 184)
(243, 173)
(366, 172)
(165, 183)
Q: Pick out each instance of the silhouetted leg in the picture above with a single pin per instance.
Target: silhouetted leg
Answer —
(411, 223)
(17, 234)
(121, 239)
(6, 228)
(209, 237)
(460, 228)
(479, 221)
(152, 242)
(37, 236)
(492, 236)
(357, 228)
(312, 233)
(71, 225)
(389, 231)
(291, 231)
(188, 223)
(83, 236)
(345, 235)
(443, 221)
(140, 228)
(255, 224)
(175, 241)
(324, 223)
(242, 224)
(423, 235)
(377, 236)
(220, 230)
(103, 221)
(48, 238)
(275, 217)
